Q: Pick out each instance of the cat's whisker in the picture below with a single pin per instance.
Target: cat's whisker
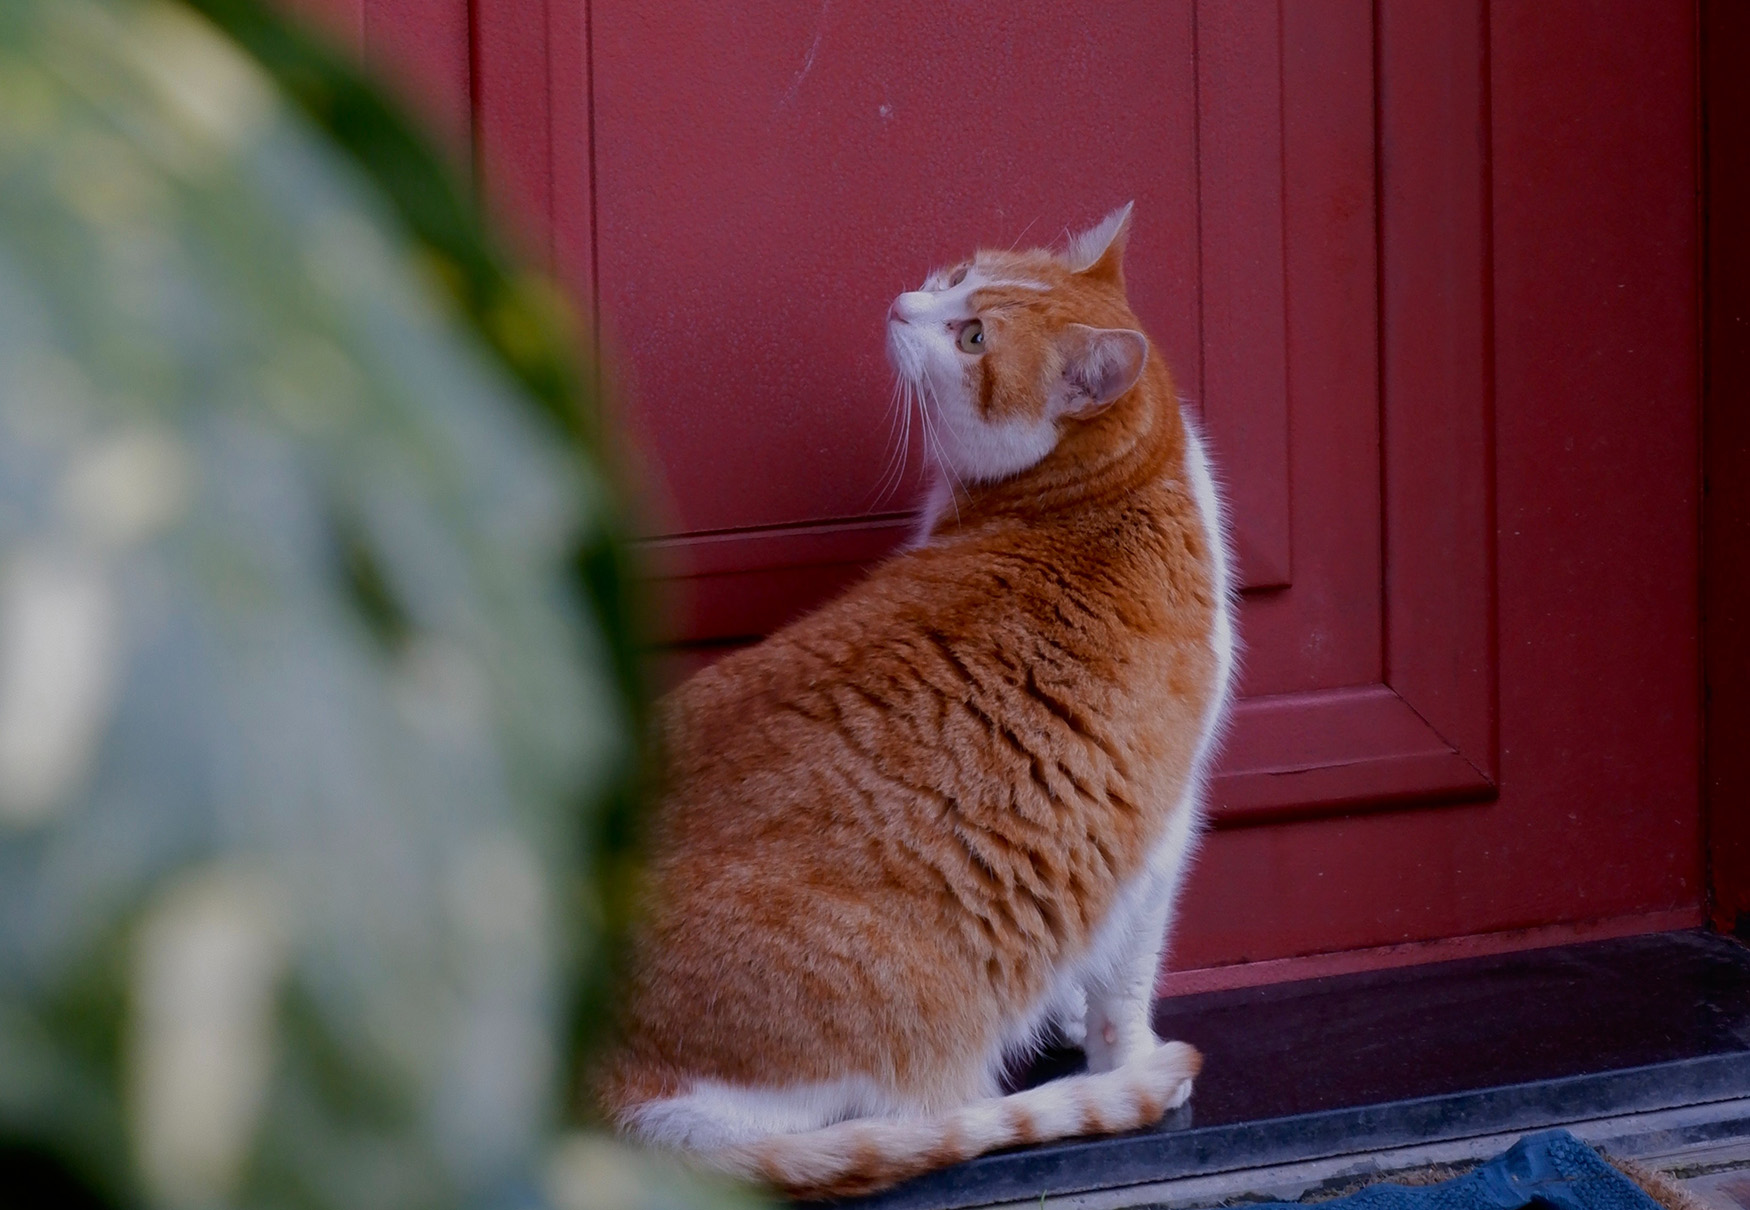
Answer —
(907, 403)
(892, 409)
(903, 393)
(904, 442)
(943, 462)
(894, 426)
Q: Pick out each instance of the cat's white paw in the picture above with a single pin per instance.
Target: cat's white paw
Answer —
(1170, 1059)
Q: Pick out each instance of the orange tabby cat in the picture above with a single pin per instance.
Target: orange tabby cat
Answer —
(905, 834)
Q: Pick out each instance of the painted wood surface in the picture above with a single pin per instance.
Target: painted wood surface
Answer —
(1427, 269)
(1726, 459)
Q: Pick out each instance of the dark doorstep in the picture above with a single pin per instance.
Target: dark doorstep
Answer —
(1361, 1062)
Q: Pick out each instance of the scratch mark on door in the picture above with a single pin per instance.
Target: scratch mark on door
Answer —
(808, 60)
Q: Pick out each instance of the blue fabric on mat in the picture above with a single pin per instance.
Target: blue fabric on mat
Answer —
(1553, 1168)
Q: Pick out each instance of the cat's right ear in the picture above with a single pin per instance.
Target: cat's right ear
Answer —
(1098, 252)
(1099, 365)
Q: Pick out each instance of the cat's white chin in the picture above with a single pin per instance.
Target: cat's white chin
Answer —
(971, 449)
(903, 353)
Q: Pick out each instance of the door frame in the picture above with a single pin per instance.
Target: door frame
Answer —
(1725, 446)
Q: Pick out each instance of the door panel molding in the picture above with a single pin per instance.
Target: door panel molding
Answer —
(1376, 677)
(1245, 396)
(1425, 731)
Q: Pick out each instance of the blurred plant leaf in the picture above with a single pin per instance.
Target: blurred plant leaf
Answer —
(316, 667)
(528, 325)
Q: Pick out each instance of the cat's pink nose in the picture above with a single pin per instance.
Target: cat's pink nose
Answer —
(895, 315)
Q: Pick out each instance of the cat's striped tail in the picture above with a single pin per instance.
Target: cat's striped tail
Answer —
(866, 1154)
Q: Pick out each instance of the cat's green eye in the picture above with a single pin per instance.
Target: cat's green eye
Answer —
(971, 337)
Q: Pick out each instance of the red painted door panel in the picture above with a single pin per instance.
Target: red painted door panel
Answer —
(1425, 267)
(756, 211)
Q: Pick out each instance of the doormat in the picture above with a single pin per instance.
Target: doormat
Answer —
(1551, 1169)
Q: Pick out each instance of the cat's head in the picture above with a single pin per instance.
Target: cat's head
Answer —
(1007, 349)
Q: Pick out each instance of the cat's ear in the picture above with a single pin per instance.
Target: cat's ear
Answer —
(1099, 365)
(1098, 252)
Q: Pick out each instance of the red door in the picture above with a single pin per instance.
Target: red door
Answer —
(1426, 268)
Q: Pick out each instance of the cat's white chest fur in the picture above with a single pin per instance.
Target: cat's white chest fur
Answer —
(1103, 997)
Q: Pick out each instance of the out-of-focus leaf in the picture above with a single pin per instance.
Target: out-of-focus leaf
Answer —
(524, 322)
(308, 720)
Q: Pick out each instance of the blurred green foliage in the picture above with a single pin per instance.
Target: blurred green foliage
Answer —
(529, 328)
(319, 721)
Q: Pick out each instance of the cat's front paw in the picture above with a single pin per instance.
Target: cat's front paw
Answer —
(1175, 1065)
(1181, 1094)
